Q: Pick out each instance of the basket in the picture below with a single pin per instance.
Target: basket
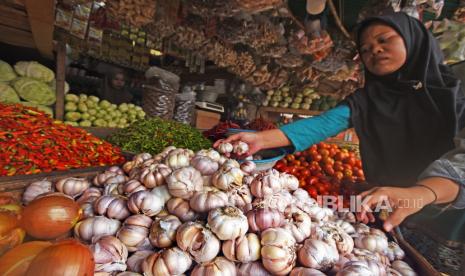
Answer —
(157, 101)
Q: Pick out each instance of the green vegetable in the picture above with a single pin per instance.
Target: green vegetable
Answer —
(34, 91)
(92, 112)
(72, 116)
(123, 107)
(154, 134)
(35, 70)
(8, 94)
(53, 86)
(85, 116)
(82, 107)
(70, 106)
(71, 123)
(94, 99)
(105, 104)
(82, 97)
(71, 98)
(6, 72)
(85, 123)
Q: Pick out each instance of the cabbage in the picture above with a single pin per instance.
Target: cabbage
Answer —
(6, 72)
(43, 108)
(53, 86)
(34, 70)
(8, 94)
(72, 116)
(34, 91)
(72, 98)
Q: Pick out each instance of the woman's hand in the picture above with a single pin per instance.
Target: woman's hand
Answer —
(252, 139)
(403, 202)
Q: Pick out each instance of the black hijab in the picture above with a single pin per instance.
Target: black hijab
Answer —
(408, 119)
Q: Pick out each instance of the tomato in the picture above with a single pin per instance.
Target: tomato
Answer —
(296, 163)
(305, 173)
(347, 167)
(279, 165)
(359, 173)
(328, 161)
(351, 161)
(339, 156)
(358, 163)
(338, 175)
(298, 154)
(333, 152)
(338, 167)
(324, 152)
(302, 159)
(317, 157)
(312, 180)
(290, 157)
(328, 168)
(313, 147)
(312, 191)
(305, 164)
(348, 172)
(302, 183)
(349, 179)
(314, 163)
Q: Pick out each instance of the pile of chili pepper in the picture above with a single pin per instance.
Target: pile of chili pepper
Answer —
(260, 124)
(219, 131)
(31, 142)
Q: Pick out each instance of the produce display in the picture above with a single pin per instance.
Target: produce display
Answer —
(451, 37)
(219, 131)
(32, 142)
(181, 212)
(87, 111)
(260, 124)
(154, 134)
(308, 99)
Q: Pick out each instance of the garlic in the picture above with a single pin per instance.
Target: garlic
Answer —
(87, 210)
(113, 189)
(303, 201)
(230, 163)
(247, 180)
(304, 271)
(240, 197)
(266, 183)
(347, 216)
(125, 273)
(141, 158)
(113, 207)
(355, 268)
(403, 268)
(318, 254)
(180, 208)
(210, 153)
(132, 186)
(200, 242)
(298, 223)
(261, 219)
(279, 201)
(347, 227)
(252, 268)
(35, 189)
(72, 186)
(178, 158)
(107, 177)
(95, 227)
(134, 262)
(375, 241)
(163, 231)
(220, 266)
(278, 251)
(240, 148)
(289, 182)
(162, 192)
(154, 175)
(319, 214)
(225, 148)
(243, 249)
(227, 178)
(204, 165)
(334, 235)
(89, 196)
(184, 182)
(134, 233)
(116, 169)
(227, 223)
(394, 252)
(144, 202)
(248, 167)
(172, 261)
(361, 229)
(208, 199)
(110, 254)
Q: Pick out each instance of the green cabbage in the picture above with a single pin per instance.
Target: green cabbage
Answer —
(43, 108)
(34, 70)
(6, 72)
(8, 94)
(34, 91)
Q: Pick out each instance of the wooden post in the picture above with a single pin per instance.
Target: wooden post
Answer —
(60, 80)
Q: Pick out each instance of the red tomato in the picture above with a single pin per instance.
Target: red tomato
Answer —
(348, 172)
(338, 175)
(312, 191)
(359, 173)
(358, 163)
(314, 163)
(312, 180)
(351, 161)
(298, 154)
(328, 161)
(305, 172)
(296, 163)
(317, 157)
(333, 152)
(329, 169)
(290, 157)
(324, 152)
(302, 159)
(305, 164)
(339, 156)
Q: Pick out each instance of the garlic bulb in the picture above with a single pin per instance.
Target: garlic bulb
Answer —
(113, 189)
(184, 182)
(134, 233)
(240, 148)
(35, 189)
(200, 242)
(208, 199)
(230, 163)
(89, 196)
(180, 208)
(134, 262)
(361, 229)
(252, 268)
(278, 251)
(266, 183)
(334, 235)
(125, 273)
(304, 271)
(355, 268)
(154, 175)
(319, 214)
(298, 223)
(394, 252)
(113, 207)
(248, 167)
(279, 201)
(178, 158)
(144, 202)
(228, 223)
(72, 186)
(87, 210)
(163, 231)
(366, 255)
(226, 179)
(289, 182)
(172, 261)
(303, 201)
(110, 254)
(210, 153)
(220, 266)
(96, 227)
(141, 158)
(261, 219)
(243, 249)
(347, 216)
(347, 227)
(116, 169)
(225, 148)
(240, 197)
(107, 177)
(162, 192)
(375, 241)
(403, 268)
(204, 165)
(132, 186)
(318, 254)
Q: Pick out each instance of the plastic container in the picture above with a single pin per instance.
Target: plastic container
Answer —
(232, 131)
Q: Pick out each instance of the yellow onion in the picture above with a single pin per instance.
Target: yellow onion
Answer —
(200, 242)
(220, 266)
(35, 189)
(113, 207)
(243, 249)
(278, 251)
(134, 262)
(227, 223)
(72, 186)
(180, 208)
(163, 231)
(17, 260)
(110, 254)
(252, 268)
(11, 234)
(95, 227)
(207, 199)
(184, 182)
(135, 233)
(171, 261)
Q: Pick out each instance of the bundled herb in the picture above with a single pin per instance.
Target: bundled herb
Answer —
(154, 134)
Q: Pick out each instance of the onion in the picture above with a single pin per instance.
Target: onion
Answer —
(50, 216)
(17, 260)
(67, 257)
(10, 233)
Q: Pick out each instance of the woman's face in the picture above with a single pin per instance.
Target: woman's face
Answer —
(382, 49)
(118, 81)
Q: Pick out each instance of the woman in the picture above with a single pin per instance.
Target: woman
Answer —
(406, 115)
(114, 90)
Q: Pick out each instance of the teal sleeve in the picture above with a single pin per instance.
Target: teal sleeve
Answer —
(307, 132)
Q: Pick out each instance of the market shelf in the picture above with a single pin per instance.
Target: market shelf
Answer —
(265, 111)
